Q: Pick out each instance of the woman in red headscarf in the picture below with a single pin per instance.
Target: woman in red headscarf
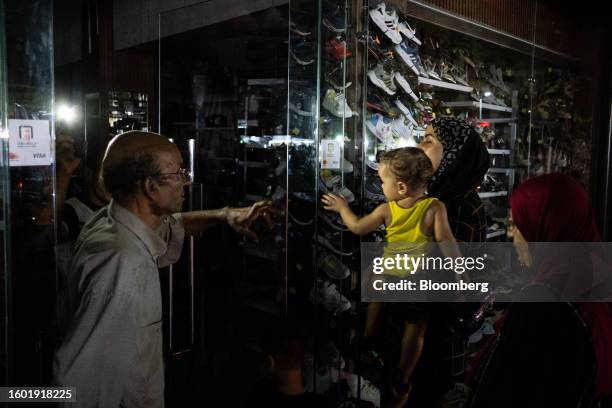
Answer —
(550, 354)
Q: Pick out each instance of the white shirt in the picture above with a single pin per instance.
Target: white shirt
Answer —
(112, 348)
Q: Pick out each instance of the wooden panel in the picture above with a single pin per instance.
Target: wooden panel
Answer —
(553, 29)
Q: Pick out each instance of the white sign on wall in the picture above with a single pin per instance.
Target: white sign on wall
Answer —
(331, 154)
(29, 142)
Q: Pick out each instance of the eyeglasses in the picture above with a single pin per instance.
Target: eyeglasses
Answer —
(184, 173)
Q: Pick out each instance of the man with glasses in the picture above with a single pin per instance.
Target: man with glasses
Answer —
(112, 348)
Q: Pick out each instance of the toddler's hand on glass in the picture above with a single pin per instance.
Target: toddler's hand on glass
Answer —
(332, 202)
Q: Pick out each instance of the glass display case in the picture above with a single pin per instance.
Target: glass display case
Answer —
(290, 102)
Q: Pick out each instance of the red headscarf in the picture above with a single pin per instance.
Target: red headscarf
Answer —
(555, 208)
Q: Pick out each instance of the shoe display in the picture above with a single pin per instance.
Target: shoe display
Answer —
(406, 111)
(334, 17)
(411, 58)
(387, 22)
(325, 242)
(334, 185)
(409, 32)
(382, 79)
(380, 127)
(335, 78)
(333, 266)
(326, 294)
(403, 83)
(401, 129)
(373, 189)
(381, 104)
(335, 103)
(337, 48)
(333, 221)
(295, 28)
(303, 53)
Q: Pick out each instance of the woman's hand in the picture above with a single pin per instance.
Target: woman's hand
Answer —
(332, 202)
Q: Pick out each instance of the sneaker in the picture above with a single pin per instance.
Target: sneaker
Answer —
(457, 396)
(401, 129)
(334, 185)
(335, 103)
(381, 104)
(373, 189)
(387, 22)
(325, 243)
(333, 266)
(406, 111)
(376, 48)
(431, 69)
(300, 222)
(335, 22)
(380, 127)
(372, 164)
(403, 83)
(337, 48)
(361, 388)
(409, 32)
(302, 104)
(293, 26)
(302, 53)
(334, 221)
(411, 57)
(335, 78)
(382, 79)
(326, 294)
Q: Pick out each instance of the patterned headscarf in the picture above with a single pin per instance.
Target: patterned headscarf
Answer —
(465, 159)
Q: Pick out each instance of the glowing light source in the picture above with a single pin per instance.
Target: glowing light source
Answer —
(66, 113)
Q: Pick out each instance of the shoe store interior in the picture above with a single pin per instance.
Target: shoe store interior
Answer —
(292, 101)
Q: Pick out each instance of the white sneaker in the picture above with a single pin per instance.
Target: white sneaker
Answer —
(326, 294)
(387, 22)
(335, 102)
(410, 56)
(409, 32)
(380, 127)
(403, 83)
(362, 388)
(406, 111)
(382, 79)
(401, 129)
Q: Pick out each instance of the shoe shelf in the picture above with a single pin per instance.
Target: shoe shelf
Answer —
(253, 164)
(495, 234)
(493, 194)
(497, 120)
(501, 170)
(505, 152)
(445, 85)
(474, 104)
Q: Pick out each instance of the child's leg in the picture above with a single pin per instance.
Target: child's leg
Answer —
(411, 347)
(372, 316)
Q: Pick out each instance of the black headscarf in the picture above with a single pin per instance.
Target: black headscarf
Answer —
(465, 159)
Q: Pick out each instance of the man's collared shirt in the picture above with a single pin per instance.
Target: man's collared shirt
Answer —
(112, 347)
